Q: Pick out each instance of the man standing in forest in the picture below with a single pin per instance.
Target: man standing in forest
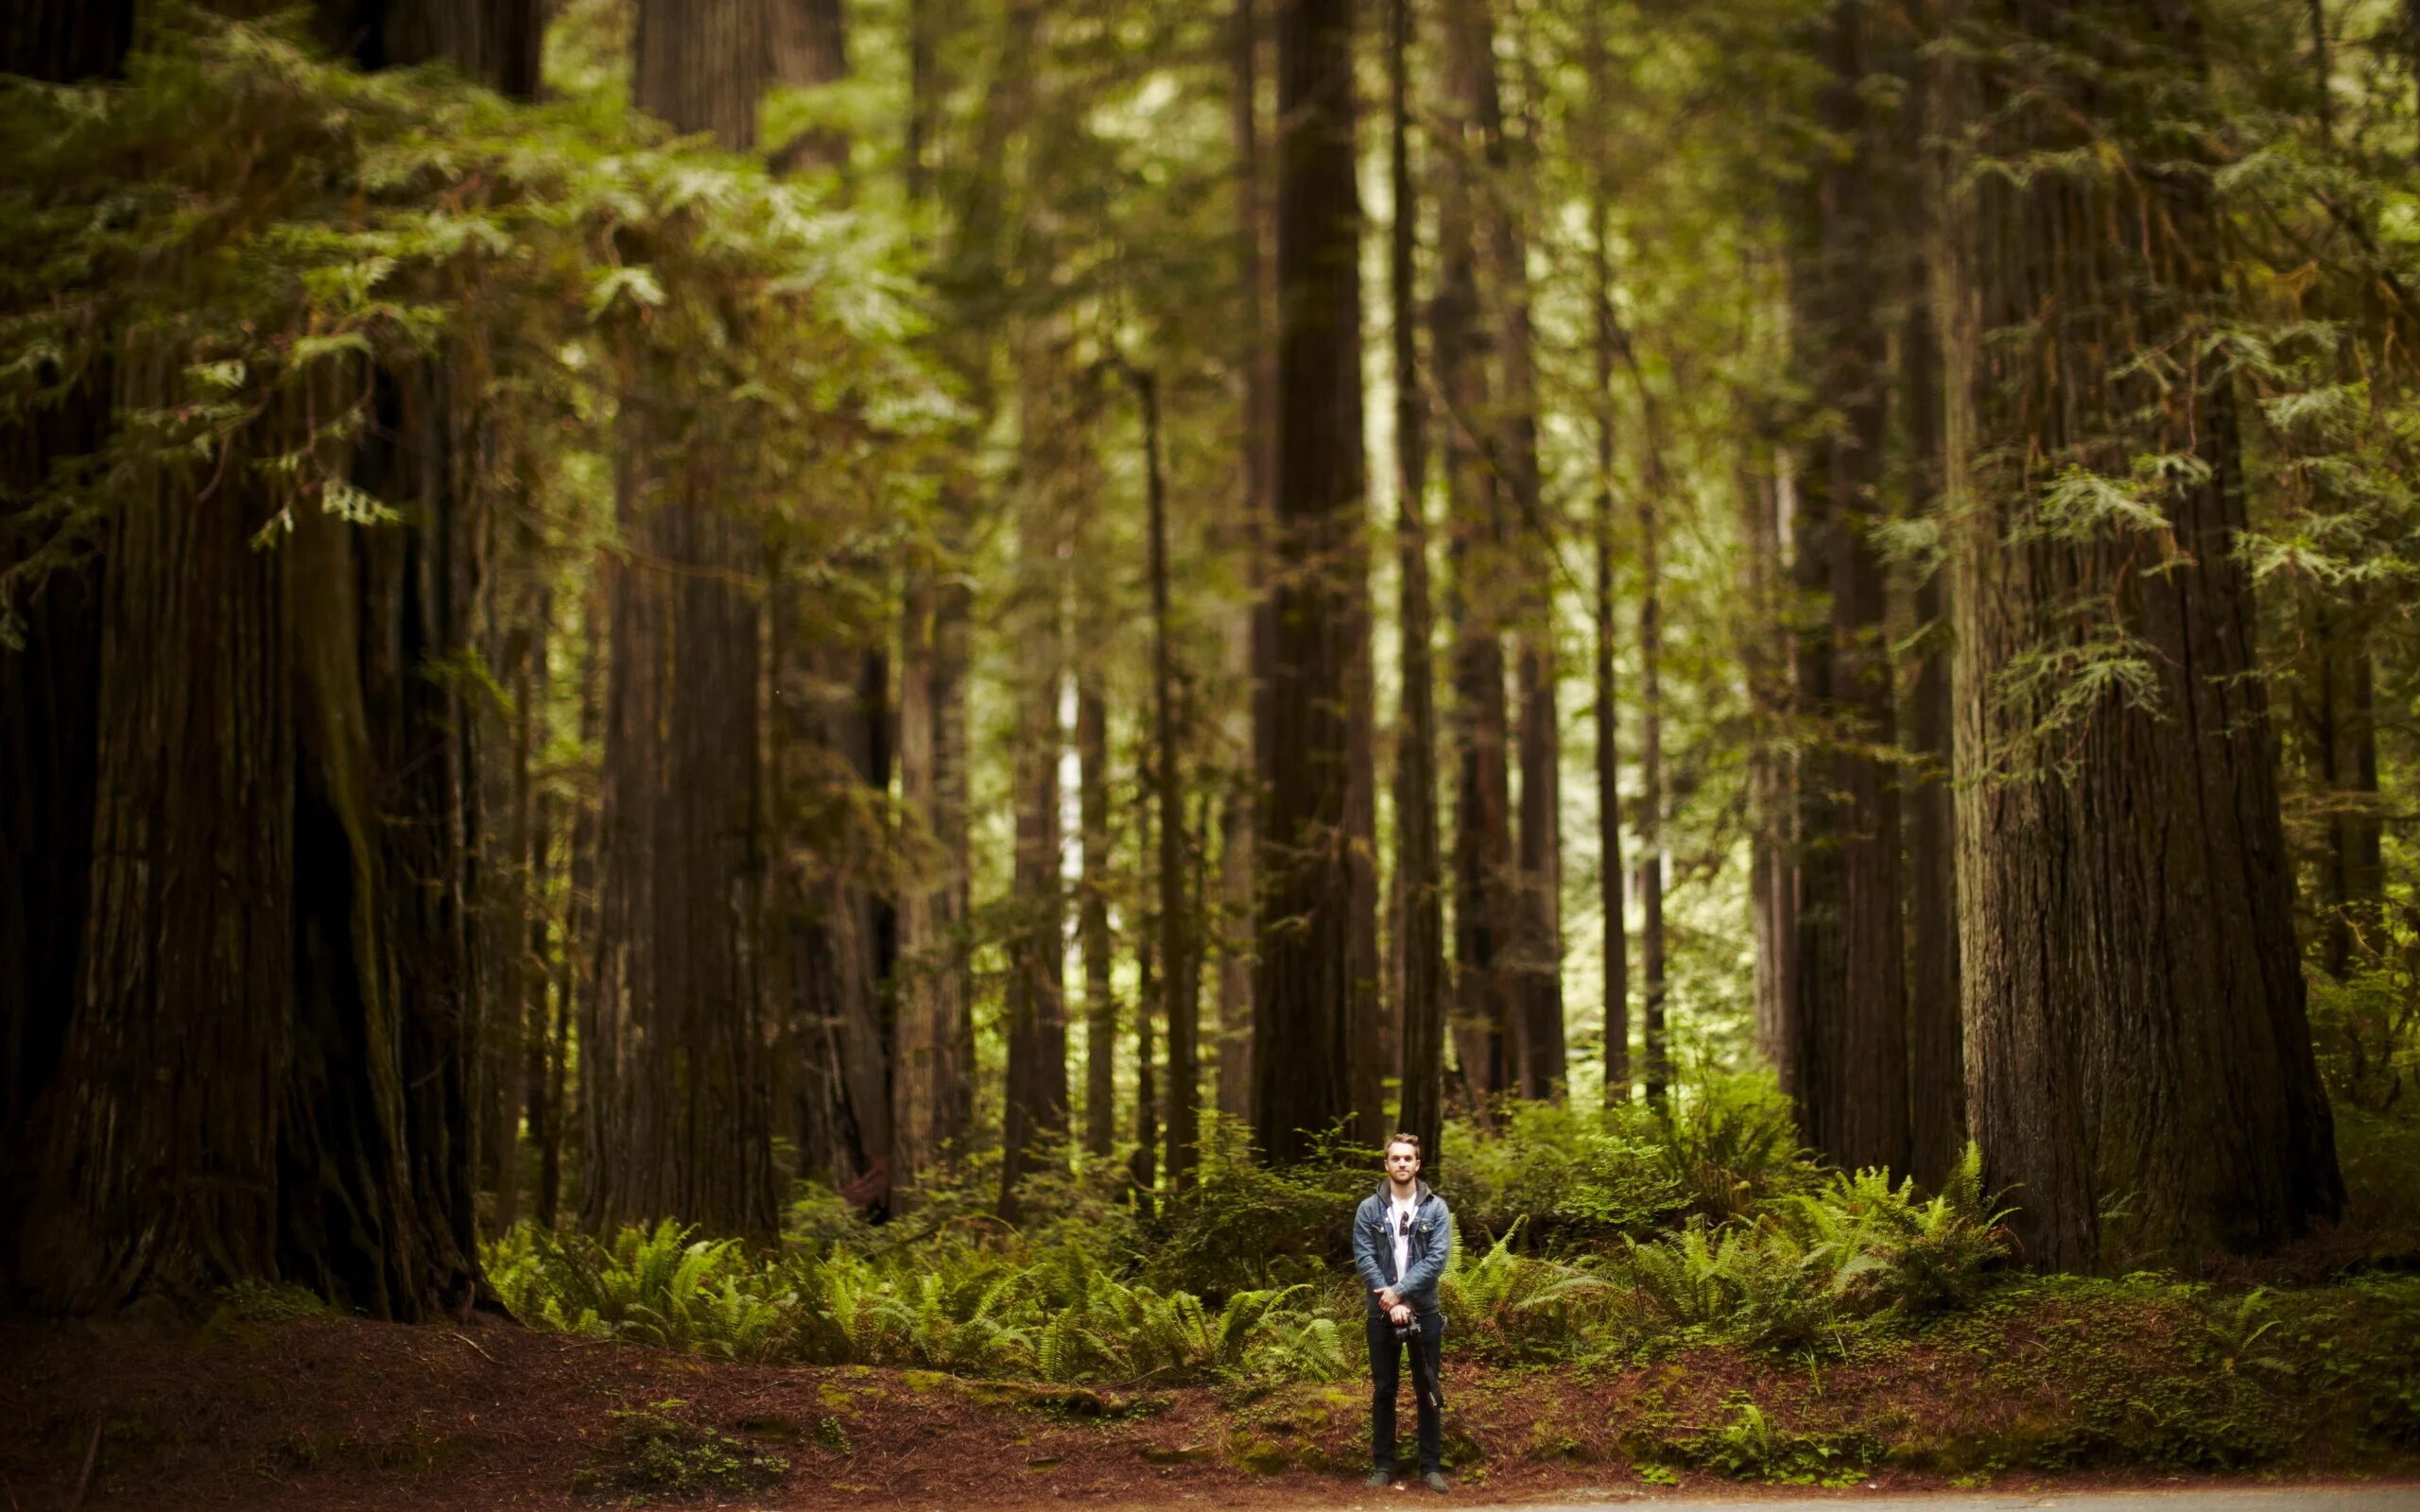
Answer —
(1402, 1238)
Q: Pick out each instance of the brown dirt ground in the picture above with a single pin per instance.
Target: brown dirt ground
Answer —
(340, 1416)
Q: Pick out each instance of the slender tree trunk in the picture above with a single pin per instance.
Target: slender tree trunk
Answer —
(1420, 935)
(1484, 996)
(1655, 1040)
(2177, 1073)
(932, 1071)
(518, 988)
(1765, 659)
(1035, 1111)
(1301, 992)
(574, 985)
(1936, 1082)
(1249, 636)
(1850, 1055)
(1037, 1024)
(1143, 1169)
(1176, 916)
(1373, 1037)
(1531, 949)
(1608, 708)
(1092, 918)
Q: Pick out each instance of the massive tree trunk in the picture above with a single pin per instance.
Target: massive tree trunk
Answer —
(680, 1080)
(187, 962)
(265, 1077)
(1302, 990)
(2133, 999)
(1420, 927)
(50, 683)
(1848, 1053)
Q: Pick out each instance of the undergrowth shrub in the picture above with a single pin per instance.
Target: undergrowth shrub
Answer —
(1508, 1306)
(1246, 1276)
(1566, 1177)
(1806, 1269)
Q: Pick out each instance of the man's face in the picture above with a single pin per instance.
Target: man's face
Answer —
(1403, 1162)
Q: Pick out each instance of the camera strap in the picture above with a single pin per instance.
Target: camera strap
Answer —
(1423, 1381)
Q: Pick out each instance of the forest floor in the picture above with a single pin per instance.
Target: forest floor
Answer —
(2052, 1391)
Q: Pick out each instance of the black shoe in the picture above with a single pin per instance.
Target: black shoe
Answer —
(1379, 1478)
(1435, 1481)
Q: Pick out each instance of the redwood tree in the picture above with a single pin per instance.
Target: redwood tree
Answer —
(1420, 920)
(1301, 989)
(1846, 1033)
(2133, 999)
(679, 1094)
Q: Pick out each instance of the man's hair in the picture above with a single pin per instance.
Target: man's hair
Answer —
(1412, 1139)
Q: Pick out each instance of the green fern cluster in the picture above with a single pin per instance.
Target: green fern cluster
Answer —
(1245, 1279)
(1804, 1270)
(959, 1307)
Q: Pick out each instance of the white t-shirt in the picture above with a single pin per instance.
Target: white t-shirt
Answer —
(1399, 1213)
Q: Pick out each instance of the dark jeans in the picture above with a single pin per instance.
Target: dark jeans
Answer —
(1386, 1365)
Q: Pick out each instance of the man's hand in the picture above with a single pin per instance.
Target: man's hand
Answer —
(1399, 1314)
(1388, 1299)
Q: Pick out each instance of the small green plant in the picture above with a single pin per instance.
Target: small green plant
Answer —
(659, 1450)
(258, 1302)
(2235, 1334)
(1519, 1306)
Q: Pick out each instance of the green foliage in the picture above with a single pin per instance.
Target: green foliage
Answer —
(1732, 1142)
(1511, 1306)
(1242, 1279)
(1565, 1174)
(657, 1286)
(1807, 1270)
(1752, 1447)
(660, 1450)
(1245, 1227)
(541, 256)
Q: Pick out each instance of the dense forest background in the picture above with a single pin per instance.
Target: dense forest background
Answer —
(785, 614)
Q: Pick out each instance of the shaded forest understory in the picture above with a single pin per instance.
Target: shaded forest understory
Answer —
(864, 685)
(2055, 1383)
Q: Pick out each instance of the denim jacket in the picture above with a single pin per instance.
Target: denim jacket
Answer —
(1431, 1246)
